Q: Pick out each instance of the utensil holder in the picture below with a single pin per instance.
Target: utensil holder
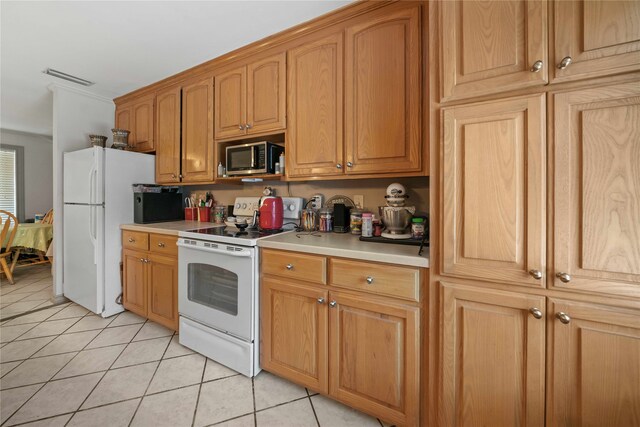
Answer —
(204, 214)
(190, 214)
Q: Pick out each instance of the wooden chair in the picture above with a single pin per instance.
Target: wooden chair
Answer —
(9, 227)
(48, 218)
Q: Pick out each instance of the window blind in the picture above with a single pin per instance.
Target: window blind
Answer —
(8, 191)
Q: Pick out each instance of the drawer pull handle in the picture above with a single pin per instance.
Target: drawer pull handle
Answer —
(535, 312)
(332, 304)
(320, 300)
(369, 280)
(563, 317)
(131, 240)
(161, 245)
(289, 267)
(566, 61)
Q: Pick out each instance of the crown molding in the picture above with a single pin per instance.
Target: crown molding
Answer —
(55, 87)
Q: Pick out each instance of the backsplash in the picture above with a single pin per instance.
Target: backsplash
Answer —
(373, 190)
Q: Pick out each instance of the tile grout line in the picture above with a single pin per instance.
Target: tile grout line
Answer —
(204, 370)
(313, 408)
(253, 395)
(152, 376)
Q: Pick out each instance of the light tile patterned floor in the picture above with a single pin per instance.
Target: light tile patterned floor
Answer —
(32, 290)
(63, 366)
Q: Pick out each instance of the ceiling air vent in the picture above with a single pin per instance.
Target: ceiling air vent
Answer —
(68, 77)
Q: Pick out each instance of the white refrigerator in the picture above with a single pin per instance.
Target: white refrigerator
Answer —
(98, 197)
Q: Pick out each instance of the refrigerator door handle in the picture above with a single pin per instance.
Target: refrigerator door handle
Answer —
(92, 174)
(92, 234)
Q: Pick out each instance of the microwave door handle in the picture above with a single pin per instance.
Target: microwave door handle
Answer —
(253, 157)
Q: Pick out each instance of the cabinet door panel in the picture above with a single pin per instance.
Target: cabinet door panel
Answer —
(597, 182)
(124, 120)
(315, 143)
(231, 103)
(168, 135)
(490, 46)
(492, 358)
(266, 94)
(134, 294)
(594, 366)
(601, 37)
(293, 328)
(163, 291)
(494, 186)
(383, 88)
(197, 132)
(374, 356)
(143, 115)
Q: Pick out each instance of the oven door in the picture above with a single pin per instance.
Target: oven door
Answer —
(216, 285)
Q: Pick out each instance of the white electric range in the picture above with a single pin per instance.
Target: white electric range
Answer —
(218, 288)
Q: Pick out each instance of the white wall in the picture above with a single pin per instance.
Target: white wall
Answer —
(76, 114)
(38, 169)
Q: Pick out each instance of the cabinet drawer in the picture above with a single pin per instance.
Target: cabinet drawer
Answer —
(135, 240)
(163, 244)
(400, 282)
(292, 265)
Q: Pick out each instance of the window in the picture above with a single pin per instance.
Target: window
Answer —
(11, 182)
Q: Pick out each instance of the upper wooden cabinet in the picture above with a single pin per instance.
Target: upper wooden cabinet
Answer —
(138, 118)
(596, 200)
(197, 131)
(383, 93)
(599, 37)
(490, 46)
(494, 185)
(492, 357)
(251, 99)
(594, 364)
(315, 133)
(168, 116)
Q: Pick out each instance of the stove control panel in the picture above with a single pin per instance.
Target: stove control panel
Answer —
(244, 206)
(292, 207)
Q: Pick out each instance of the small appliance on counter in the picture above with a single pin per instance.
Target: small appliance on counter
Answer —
(156, 203)
(271, 213)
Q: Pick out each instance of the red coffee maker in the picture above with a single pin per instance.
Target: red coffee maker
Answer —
(271, 213)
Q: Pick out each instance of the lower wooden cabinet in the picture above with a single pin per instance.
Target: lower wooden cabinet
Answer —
(150, 278)
(594, 365)
(363, 350)
(492, 360)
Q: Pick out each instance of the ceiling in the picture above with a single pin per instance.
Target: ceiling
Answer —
(122, 45)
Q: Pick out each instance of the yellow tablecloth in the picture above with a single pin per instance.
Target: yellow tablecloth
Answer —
(34, 236)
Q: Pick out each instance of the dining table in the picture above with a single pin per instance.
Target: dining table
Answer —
(34, 236)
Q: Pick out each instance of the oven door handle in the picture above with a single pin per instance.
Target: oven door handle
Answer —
(243, 253)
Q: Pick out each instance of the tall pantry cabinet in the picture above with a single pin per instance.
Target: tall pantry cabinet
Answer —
(536, 203)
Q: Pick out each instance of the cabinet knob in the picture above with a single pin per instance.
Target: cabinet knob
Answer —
(180, 176)
(289, 267)
(320, 300)
(339, 166)
(248, 126)
(161, 245)
(241, 127)
(173, 175)
(141, 259)
(131, 240)
(537, 66)
(536, 274)
(566, 61)
(369, 280)
(332, 304)
(349, 164)
(535, 312)
(563, 317)
(564, 277)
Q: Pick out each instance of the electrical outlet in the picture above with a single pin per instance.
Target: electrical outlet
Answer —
(358, 199)
(316, 201)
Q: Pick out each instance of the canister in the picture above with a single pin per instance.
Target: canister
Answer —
(326, 219)
(356, 221)
(367, 224)
(417, 228)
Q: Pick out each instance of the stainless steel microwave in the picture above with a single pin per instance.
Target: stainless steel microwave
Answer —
(255, 158)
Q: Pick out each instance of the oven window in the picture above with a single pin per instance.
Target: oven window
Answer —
(213, 287)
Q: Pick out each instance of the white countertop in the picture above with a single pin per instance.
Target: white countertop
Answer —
(348, 246)
(171, 228)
